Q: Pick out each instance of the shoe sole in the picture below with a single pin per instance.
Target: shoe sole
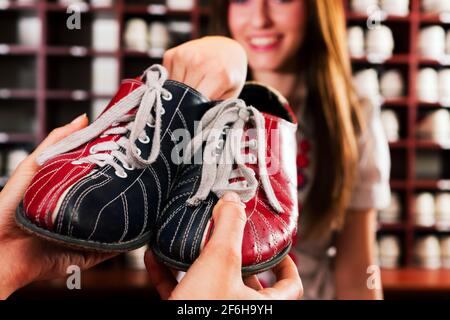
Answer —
(247, 271)
(24, 223)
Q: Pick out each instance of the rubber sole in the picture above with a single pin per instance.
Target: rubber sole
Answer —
(247, 271)
(25, 224)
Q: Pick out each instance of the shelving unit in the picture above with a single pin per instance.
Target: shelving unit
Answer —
(54, 103)
(407, 58)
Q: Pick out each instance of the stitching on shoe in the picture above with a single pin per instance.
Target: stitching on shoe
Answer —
(123, 197)
(64, 184)
(173, 115)
(200, 231)
(272, 233)
(47, 167)
(144, 192)
(115, 198)
(75, 189)
(186, 230)
(84, 194)
(257, 241)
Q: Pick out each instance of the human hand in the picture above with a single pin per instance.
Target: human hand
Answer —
(26, 258)
(214, 66)
(216, 274)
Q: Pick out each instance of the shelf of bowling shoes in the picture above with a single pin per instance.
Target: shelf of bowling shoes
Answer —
(162, 10)
(438, 185)
(83, 7)
(391, 227)
(77, 51)
(14, 6)
(398, 184)
(78, 95)
(360, 17)
(400, 144)
(7, 138)
(397, 102)
(431, 105)
(397, 59)
(414, 279)
(444, 61)
(432, 229)
(432, 18)
(17, 50)
(427, 144)
(6, 93)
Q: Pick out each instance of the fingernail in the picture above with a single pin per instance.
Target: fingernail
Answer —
(78, 119)
(231, 197)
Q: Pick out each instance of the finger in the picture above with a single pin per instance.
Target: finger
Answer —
(229, 222)
(288, 285)
(177, 70)
(253, 282)
(194, 79)
(160, 275)
(233, 93)
(167, 61)
(211, 88)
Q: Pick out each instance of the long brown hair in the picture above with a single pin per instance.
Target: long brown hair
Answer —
(332, 105)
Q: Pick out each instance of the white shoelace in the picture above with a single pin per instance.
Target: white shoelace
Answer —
(219, 157)
(146, 98)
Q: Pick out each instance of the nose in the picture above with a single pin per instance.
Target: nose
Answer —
(261, 16)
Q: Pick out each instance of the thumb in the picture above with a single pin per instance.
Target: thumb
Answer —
(229, 222)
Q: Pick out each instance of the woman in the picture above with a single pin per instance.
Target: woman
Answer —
(299, 47)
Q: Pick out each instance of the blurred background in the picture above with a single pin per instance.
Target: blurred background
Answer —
(54, 67)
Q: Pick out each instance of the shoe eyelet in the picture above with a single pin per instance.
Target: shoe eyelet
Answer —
(220, 145)
(150, 125)
(168, 96)
(129, 168)
(138, 151)
(253, 144)
(144, 140)
(122, 175)
(92, 150)
(252, 158)
(163, 111)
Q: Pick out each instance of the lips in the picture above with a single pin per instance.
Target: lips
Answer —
(264, 43)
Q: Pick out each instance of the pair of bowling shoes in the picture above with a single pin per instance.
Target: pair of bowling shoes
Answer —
(152, 166)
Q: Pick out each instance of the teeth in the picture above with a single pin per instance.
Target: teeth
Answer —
(263, 41)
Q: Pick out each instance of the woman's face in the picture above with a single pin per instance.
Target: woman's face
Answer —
(271, 31)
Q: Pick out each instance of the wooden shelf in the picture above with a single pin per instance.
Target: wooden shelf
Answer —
(78, 95)
(416, 280)
(85, 7)
(12, 49)
(436, 185)
(7, 138)
(424, 144)
(12, 6)
(77, 51)
(6, 93)
(359, 17)
(398, 59)
(392, 227)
